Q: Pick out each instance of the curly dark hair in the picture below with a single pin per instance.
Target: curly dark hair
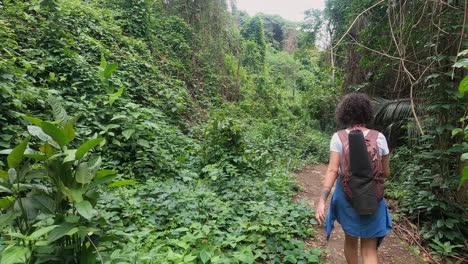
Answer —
(354, 109)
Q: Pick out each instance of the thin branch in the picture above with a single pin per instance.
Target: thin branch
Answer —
(413, 109)
(423, 72)
(97, 250)
(355, 20)
(422, 15)
(411, 77)
(437, 26)
(447, 4)
(398, 78)
(400, 51)
(384, 54)
(332, 59)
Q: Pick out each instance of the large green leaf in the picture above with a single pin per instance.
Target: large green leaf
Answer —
(143, 143)
(5, 151)
(34, 120)
(83, 173)
(69, 131)
(189, 258)
(12, 175)
(76, 195)
(110, 68)
(463, 87)
(5, 187)
(44, 203)
(103, 64)
(464, 156)
(37, 131)
(6, 202)
(87, 170)
(464, 176)
(16, 156)
(57, 109)
(456, 131)
(5, 219)
(104, 173)
(121, 183)
(85, 209)
(462, 53)
(103, 177)
(47, 149)
(3, 174)
(204, 256)
(128, 133)
(461, 63)
(114, 96)
(60, 231)
(14, 254)
(70, 155)
(39, 233)
(85, 147)
(95, 164)
(36, 156)
(56, 133)
(102, 68)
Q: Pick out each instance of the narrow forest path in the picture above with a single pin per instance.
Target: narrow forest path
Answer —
(392, 250)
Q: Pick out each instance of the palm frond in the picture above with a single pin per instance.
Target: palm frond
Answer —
(391, 111)
(394, 114)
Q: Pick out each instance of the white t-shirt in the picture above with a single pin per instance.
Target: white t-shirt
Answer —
(336, 146)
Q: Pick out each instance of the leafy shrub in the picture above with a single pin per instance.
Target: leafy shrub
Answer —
(179, 222)
(424, 197)
(49, 194)
(212, 189)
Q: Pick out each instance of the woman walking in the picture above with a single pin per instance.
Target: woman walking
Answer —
(354, 112)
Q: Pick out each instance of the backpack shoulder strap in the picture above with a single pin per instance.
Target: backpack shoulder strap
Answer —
(343, 137)
(345, 171)
(377, 170)
(372, 135)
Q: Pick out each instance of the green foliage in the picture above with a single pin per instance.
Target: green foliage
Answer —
(319, 103)
(424, 197)
(462, 88)
(233, 210)
(49, 195)
(281, 68)
(147, 79)
(194, 221)
(255, 47)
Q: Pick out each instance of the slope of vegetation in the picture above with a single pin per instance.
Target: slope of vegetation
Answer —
(146, 131)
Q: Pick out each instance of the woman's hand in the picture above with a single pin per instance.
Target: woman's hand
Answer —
(320, 212)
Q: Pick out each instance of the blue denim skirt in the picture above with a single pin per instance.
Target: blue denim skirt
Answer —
(377, 225)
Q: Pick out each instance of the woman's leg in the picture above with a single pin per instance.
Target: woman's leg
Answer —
(369, 250)
(351, 249)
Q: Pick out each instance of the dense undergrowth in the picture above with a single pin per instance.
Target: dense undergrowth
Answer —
(157, 150)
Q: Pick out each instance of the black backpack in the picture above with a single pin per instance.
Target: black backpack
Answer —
(363, 187)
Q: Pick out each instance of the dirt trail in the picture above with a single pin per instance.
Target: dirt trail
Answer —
(392, 250)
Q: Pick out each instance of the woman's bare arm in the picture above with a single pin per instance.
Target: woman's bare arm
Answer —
(330, 177)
